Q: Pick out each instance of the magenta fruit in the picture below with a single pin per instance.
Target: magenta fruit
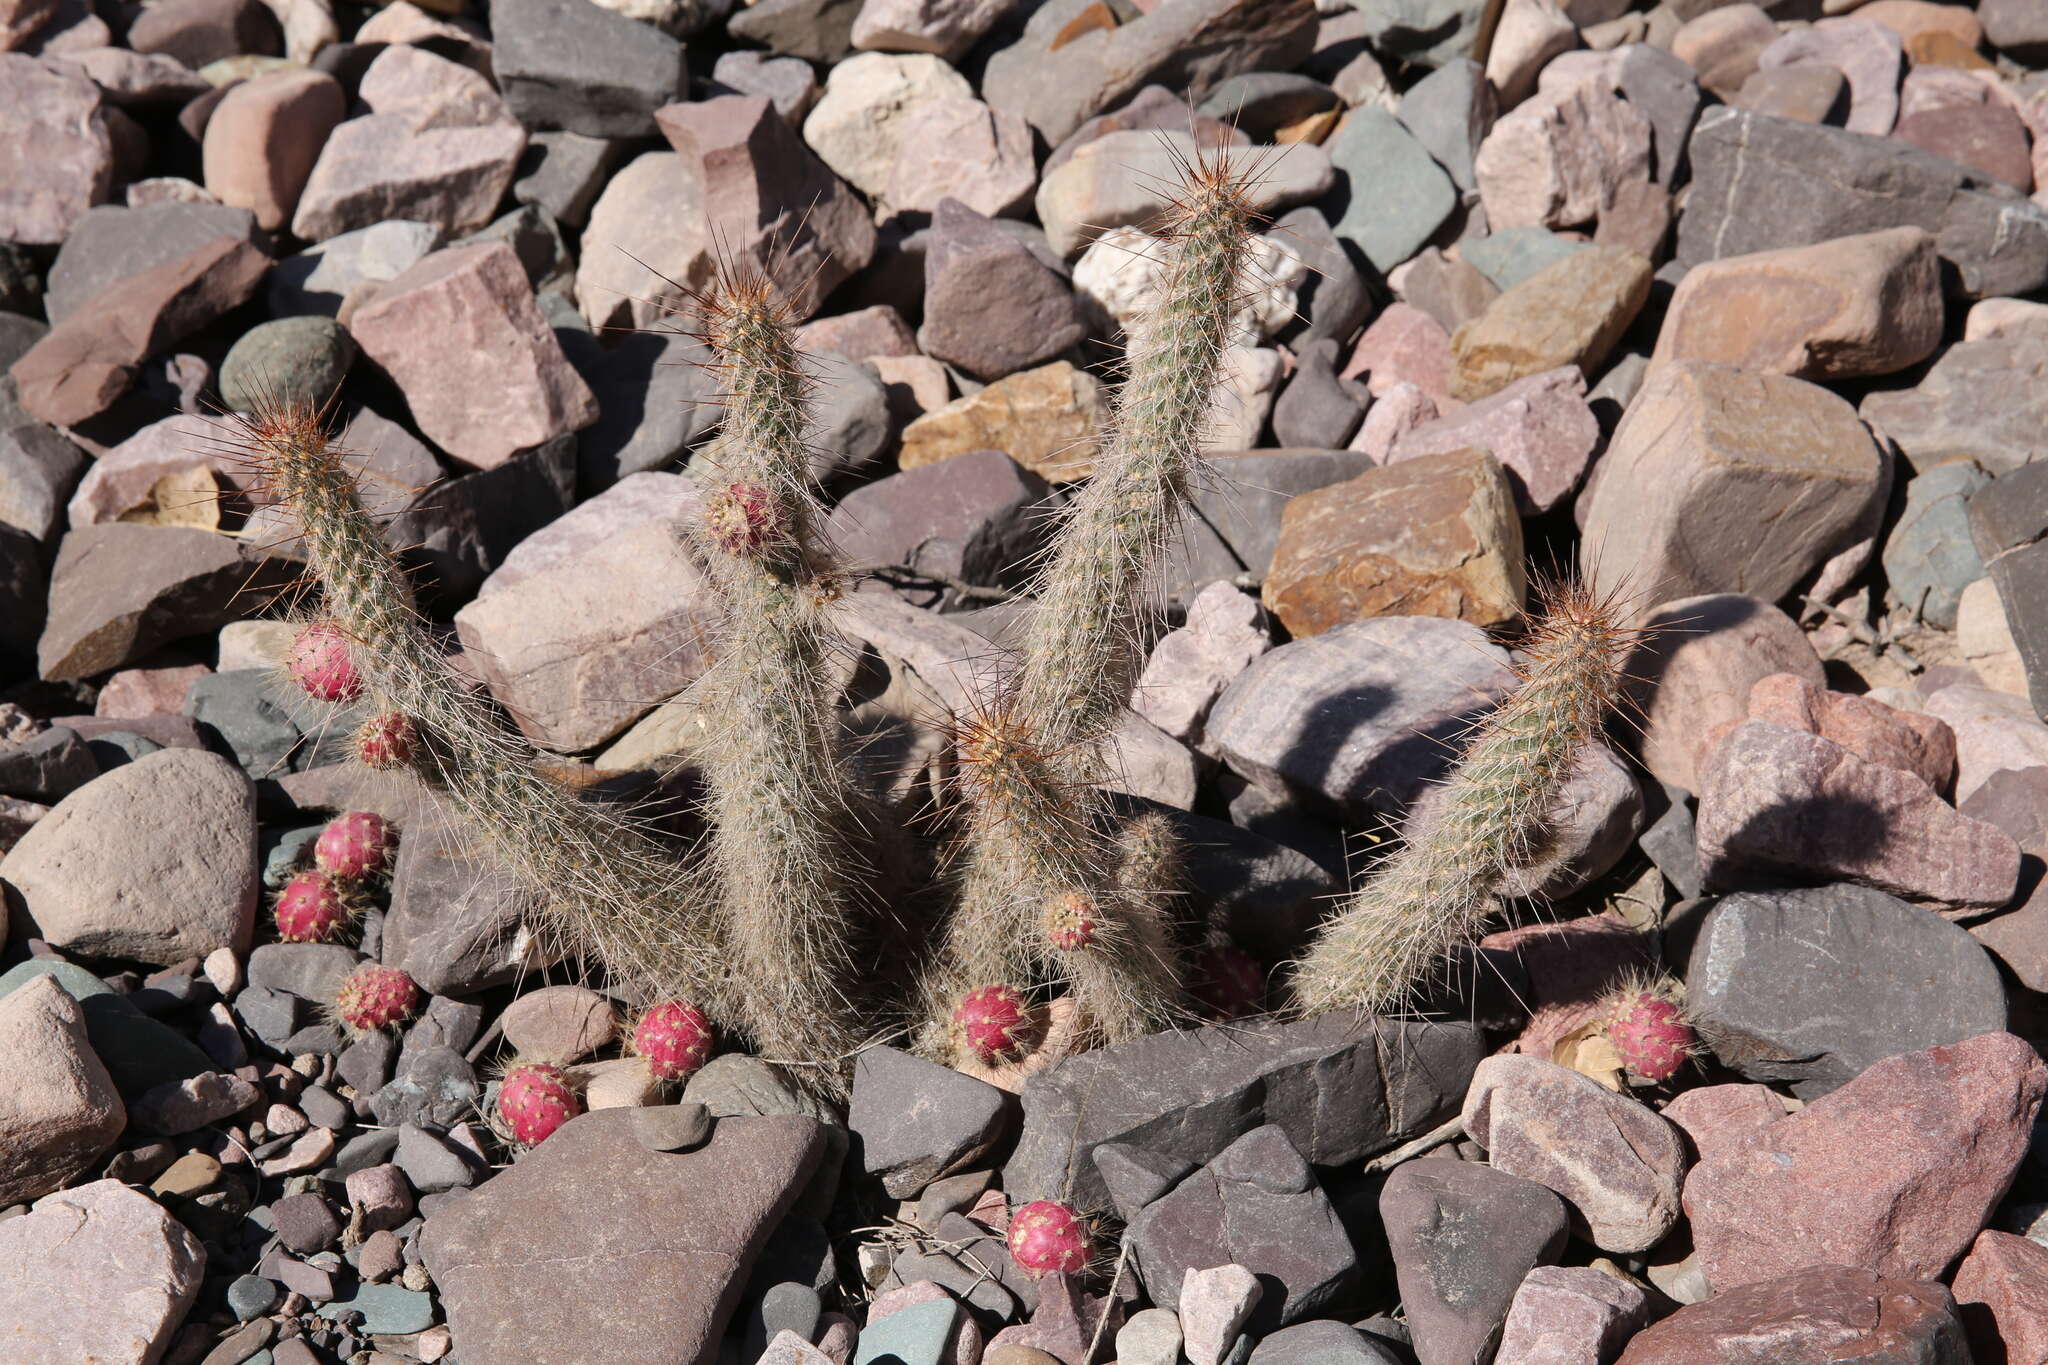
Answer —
(354, 846)
(674, 1038)
(320, 662)
(1046, 1236)
(992, 1023)
(373, 997)
(534, 1100)
(1649, 1033)
(1071, 922)
(311, 909)
(386, 741)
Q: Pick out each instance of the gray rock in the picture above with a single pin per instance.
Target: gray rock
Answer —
(112, 243)
(251, 1296)
(434, 1086)
(918, 1121)
(1261, 103)
(240, 707)
(735, 1084)
(1929, 556)
(815, 30)
(47, 766)
(2017, 29)
(318, 279)
(563, 172)
(785, 1306)
(655, 401)
(1978, 401)
(271, 1015)
(576, 66)
(1450, 111)
(366, 1063)
(1257, 1205)
(452, 920)
(1463, 1236)
(302, 359)
(1667, 92)
(1391, 193)
(38, 471)
(672, 1127)
(23, 592)
(992, 306)
(1514, 254)
(1753, 190)
(1135, 1176)
(1322, 1342)
(979, 518)
(387, 1309)
(1333, 300)
(311, 971)
(432, 1164)
(1317, 408)
(1812, 986)
(1343, 1088)
(1425, 32)
(975, 1265)
(536, 239)
(788, 83)
(849, 416)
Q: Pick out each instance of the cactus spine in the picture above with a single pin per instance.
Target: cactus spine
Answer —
(1032, 844)
(783, 808)
(1435, 892)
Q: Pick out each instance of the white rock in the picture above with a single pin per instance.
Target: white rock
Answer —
(58, 1106)
(1123, 272)
(1994, 731)
(1530, 33)
(946, 28)
(1213, 1307)
(858, 122)
(1191, 666)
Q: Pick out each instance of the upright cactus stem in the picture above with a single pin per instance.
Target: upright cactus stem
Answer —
(1033, 848)
(783, 806)
(1436, 891)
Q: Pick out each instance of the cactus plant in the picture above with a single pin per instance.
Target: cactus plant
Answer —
(371, 998)
(1434, 892)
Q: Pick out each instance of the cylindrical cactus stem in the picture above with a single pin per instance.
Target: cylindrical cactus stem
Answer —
(1126, 979)
(1083, 647)
(1434, 893)
(783, 805)
(596, 881)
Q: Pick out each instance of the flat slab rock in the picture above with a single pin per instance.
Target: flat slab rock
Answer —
(594, 1248)
(1342, 1087)
(96, 1273)
(1819, 1316)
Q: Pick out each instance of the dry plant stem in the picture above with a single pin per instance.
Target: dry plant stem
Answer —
(600, 884)
(1034, 805)
(783, 845)
(1435, 893)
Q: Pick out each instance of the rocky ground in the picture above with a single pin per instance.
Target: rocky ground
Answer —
(1731, 306)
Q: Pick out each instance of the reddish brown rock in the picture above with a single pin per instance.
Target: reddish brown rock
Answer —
(1539, 428)
(1724, 45)
(1893, 1174)
(1432, 536)
(200, 31)
(1716, 1117)
(461, 335)
(1571, 1315)
(1911, 741)
(1571, 312)
(1863, 305)
(861, 335)
(1404, 345)
(1825, 1315)
(2001, 1290)
(1779, 804)
(263, 138)
(1571, 967)
(1559, 157)
(990, 306)
(59, 1110)
(97, 1273)
(1988, 138)
(2016, 800)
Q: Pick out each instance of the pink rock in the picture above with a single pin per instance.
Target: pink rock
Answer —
(97, 1273)
(1775, 802)
(1402, 409)
(1189, 668)
(1994, 731)
(1928, 88)
(2016, 800)
(862, 335)
(960, 148)
(1404, 344)
(56, 149)
(438, 146)
(383, 1194)
(1870, 55)
(59, 1110)
(121, 479)
(149, 691)
(1570, 1316)
(403, 22)
(178, 1107)
(790, 1349)
(1822, 1313)
(309, 1151)
(1540, 428)
(1725, 45)
(1895, 1173)
(1694, 670)
(1213, 1307)
(1989, 138)
(559, 1024)
(1571, 967)
(462, 337)
(264, 137)
(1716, 1117)
(1911, 741)
(1616, 1163)
(944, 27)
(1529, 35)
(2005, 1279)
(1558, 157)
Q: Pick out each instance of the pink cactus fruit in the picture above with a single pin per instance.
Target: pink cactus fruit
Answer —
(386, 741)
(674, 1038)
(355, 846)
(1046, 1236)
(742, 518)
(311, 909)
(1650, 1033)
(373, 997)
(992, 1023)
(534, 1099)
(1228, 981)
(1071, 922)
(320, 662)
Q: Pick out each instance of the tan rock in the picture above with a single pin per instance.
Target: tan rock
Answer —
(1432, 536)
(1911, 18)
(58, 1108)
(264, 137)
(98, 1273)
(1724, 45)
(1049, 420)
(1558, 157)
(560, 1024)
(1985, 639)
(1529, 34)
(1720, 480)
(1855, 306)
(1571, 312)
(962, 149)
(857, 125)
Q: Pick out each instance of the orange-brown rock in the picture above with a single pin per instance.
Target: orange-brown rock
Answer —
(1571, 312)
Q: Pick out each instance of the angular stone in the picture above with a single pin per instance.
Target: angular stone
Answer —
(1813, 987)
(1214, 1306)
(1539, 428)
(1929, 558)
(991, 306)
(1234, 522)
(1393, 194)
(1317, 409)
(537, 1253)
(1255, 1206)
(1191, 1093)
(1856, 306)
(1557, 159)
(1869, 55)
(1432, 536)
(462, 337)
(1575, 1315)
(954, 148)
(1724, 44)
(437, 146)
(1047, 420)
(1817, 1188)
(2001, 1291)
(59, 1110)
(1980, 400)
(977, 517)
(577, 66)
(97, 1273)
(1806, 93)
(263, 138)
(1617, 1164)
(856, 127)
(1450, 111)
(38, 470)
(1811, 1316)
(1987, 138)
(1189, 667)
(919, 1121)
(1778, 803)
(155, 861)
(1753, 190)
(1464, 1237)
(1569, 313)
(1321, 1342)
(179, 1107)
(1911, 741)
(1720, 480)
(56, 149)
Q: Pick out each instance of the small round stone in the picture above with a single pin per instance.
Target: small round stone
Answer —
(303, 359)
(251, 1296)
